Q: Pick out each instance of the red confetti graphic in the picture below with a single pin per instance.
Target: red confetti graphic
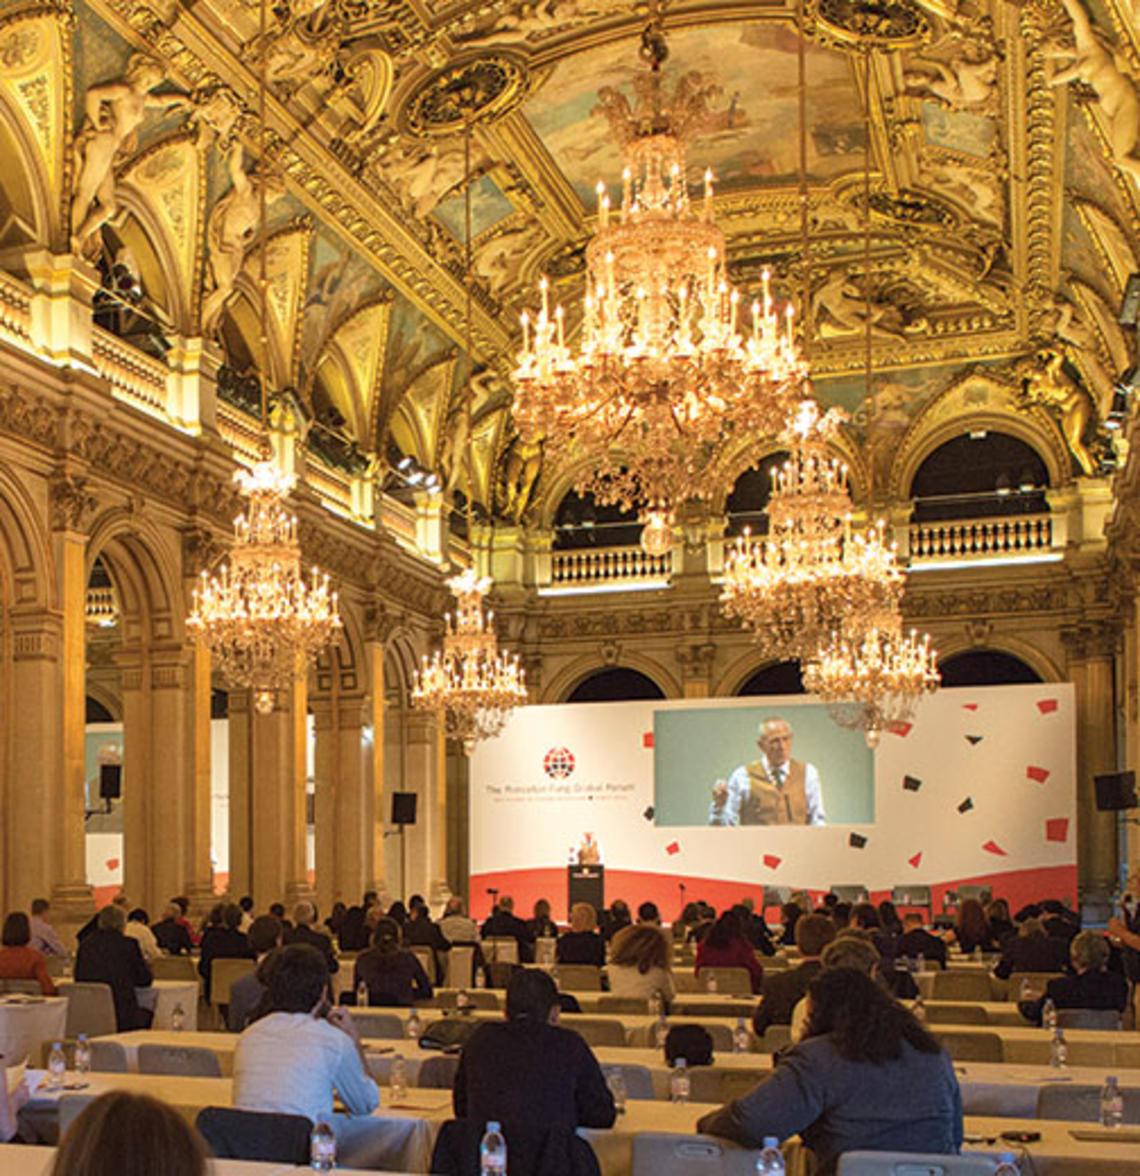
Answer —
(970, 706)
(772, 861)
(1038, 774)
(1057, 829)
(672, 848)
(902, 730)
(1047, 705)
(112, 863)
(993, 847)
(914, 861)
(647, 739)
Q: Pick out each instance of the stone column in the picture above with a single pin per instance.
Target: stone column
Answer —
(139, 793)
(696, 662)
(421, 841)
(374, 766)
(241, 718)
(62, 326)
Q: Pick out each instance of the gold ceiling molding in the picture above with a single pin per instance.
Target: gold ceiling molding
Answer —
(872, 24)
(479, 89)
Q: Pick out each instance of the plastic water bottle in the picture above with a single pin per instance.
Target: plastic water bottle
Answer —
(1007, 1165)
(480, 978)
(322, 1147)
(679, 1084)
(1111, 1103)
(1049, 1015)
(178, 1018)
(1058, 1050)
(57, 1066)
(920, 963)
(977, 953)
(462, 1000)
(1025, 992)
(919, 1008)
(661, 1031)
(770, 1161)
(362, 995)
(493, 1152)
(741, 1042)
(657, 1004)
(399, 1080)
(82, 1056)
(710, 983)
(615, 1079)
(414, 1027)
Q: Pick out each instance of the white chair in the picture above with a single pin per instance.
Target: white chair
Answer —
(385, 1025)
(956, 1015)
(181, 967)
(657, 1153)
(902, 1164)
(1081, 1104)
(503, 950)
(460, 965)
(597, 1030)
(224, 973)
(545, 950)
(185, 1061)
(618, 1005)
(638, 1080)
(427, 961)
(90, 1008)
(438, 1073)
(952, 985)
(716, 1084)
(732, 980)
(972, 1047)
(108, 1057)
(1088, 1019)
(71, 1106)
(578, 977)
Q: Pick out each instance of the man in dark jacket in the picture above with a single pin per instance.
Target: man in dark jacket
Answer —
(1031, 950)
(171, 933)
(917, 941)
(420, 931)
(1091, 986)
(505, 924)
(304, 916)
(782, 991)
(107, 956)
(223, 940)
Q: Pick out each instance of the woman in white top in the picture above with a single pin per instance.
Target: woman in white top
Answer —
(639, 963)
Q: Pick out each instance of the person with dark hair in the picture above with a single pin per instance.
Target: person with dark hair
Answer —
(248, 992)
(353, 934)
(222, 940)
(971, 930)
(916, 941)
(291, 1060)
(398, 913)
(865, 917)
(336, 918)
(171, 933)
(540, 924)
(790, 915)
(889, 918)
(394, 977)
(44, 937)
(998, 923)
(528, 1070)
(183, 905)
(505, 924)
(754, 928)
(866, 1077)
(246, 905)
(18, 959)
(841, 915)
(303, 931)
(420, 931)
(782, 991)
(108, 957)
(137, 928)
(647, 912)
(582, 944)
(615, 919)
(1091, 986)
(725, 947)
(130, 1135)
(640, 963)
(1032, 950)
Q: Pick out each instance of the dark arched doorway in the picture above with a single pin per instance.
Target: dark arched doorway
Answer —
(778, 678)
(986, 667)
(980, 475)
(617, 684)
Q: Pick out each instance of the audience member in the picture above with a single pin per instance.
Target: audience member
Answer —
(122, 1134)
(1059, 920)
(505, 924)
(246, 905)
(612, 921)
(639, 966)
(865, 917)
(221, 940)
(92, 924)
(108, 957)
(393, 976)
(336, 918)
(1031, 950)
(689, 917)
(354, 932)
(706, 917)
(18, 959)
(971, 930)
(790, 915)
(755, 928)
(248, 992)
(303, 931)
(542, 926)
(725, 947)
(455, 925)
(998, 922)
(294, 1058)
(137, 928)
(850, 949)
(277, 910)
(647, 912)
(171, 932)
(1092, 986)
(867, 1076)
(780, 992)
(44, 937)
(841, 914)
(420, 931)
(398, 913)
(916, 941)
(889, 918)
(582, 944)
(183, 905)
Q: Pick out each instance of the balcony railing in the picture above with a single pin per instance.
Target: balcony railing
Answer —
(608, 568)
(15, 310)
(1028, 537)
(134, 376)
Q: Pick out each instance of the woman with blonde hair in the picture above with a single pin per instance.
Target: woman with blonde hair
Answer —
(582, 944)
(639, 963)
(124, 1134)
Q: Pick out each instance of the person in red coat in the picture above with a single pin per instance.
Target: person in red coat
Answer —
(725, 946)
(19, 961)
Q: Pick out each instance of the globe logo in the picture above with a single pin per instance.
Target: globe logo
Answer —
(558, 763)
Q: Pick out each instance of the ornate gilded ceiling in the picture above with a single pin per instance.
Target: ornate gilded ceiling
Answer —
(1003, 200)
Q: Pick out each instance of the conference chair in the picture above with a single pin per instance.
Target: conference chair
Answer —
(730, 980)
(255, 1135)
(90, 1009)
(686, 982)
(185, 1061)
(971, 1047)
(578, 977)
(71, 1106)
(775, 1037)
(638, 1080)
(546, 951)
(477, 998)
(181, 967)
(597, 1030)
(618, 1005)
(107, 1057)
(954, 985)
(28, 987)
(58, 966)
(717, 1084)
(1081, 1104)
(912, 1164)
(461, 966)
(1126, 1054)
(438, 1072)
(427, 961)
(1089, 1019)
(501, 950)
(721, 1035)
(956, 1015)
(386, 1025)
(659, 1153)
(223, 975)
(738, 1008)
(1038, 982)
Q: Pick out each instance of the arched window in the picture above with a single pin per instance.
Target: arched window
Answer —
(97, 712)
(980, 475)
(744, 507)
(618, 684)
(581, 522)
(778, 678)
(986, 667)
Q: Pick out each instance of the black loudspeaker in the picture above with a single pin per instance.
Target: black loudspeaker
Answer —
(110, 781)
(1115, 790)
(403, 808)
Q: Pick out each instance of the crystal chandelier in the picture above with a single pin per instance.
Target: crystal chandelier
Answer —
(663, 379)
(262, 622)
(471, 680)
(812, 573)
(874, 682)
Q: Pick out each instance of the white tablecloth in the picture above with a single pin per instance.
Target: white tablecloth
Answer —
(19, 1160)
(27, 1022)
(163, 995)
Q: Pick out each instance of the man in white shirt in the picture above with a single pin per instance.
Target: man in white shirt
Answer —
(137, 928)
(44, 937)
(455, 926)
(773, 790)
(294, 1058)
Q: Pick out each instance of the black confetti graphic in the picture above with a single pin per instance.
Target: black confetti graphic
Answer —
(649, 813)
(912, 783)
(856, 841)
(974, 740)
(966, 805)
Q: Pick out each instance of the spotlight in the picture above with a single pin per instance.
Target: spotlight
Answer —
(404, 464)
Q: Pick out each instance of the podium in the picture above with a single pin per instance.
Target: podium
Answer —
(587, 884)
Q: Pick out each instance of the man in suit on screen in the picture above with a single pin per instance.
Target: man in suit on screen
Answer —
(772, 790)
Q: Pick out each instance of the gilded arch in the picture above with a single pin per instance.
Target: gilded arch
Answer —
(559, 688)
(26, 562)
(1037, 660)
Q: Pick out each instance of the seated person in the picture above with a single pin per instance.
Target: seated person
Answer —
(108, 957)
(542, 926)
(455, 926)
(781, 991)
(971, 929)
(303, 931)
(1031, 950)
(1092, 986)
(394, 976)
(293, 1059)
(916, 941)
(582, 944)
(222, 940)
(613, 920)
(171, 932)
(866, 1076)
(505, 924)
(138, 928)
(420, 931)
(19, 960)
(726, 947)
(639, 966)
(248, 992)
(755, 928)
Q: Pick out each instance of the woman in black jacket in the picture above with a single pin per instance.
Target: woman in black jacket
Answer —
(582, 944)
(393, 976)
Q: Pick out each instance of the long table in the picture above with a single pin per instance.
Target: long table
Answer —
(24, 1160)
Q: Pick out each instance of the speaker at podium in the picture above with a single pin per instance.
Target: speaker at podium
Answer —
(587, 883)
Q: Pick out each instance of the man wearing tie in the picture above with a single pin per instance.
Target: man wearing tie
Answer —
(773, 790)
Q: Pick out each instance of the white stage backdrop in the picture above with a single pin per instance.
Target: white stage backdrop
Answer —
(981, 788)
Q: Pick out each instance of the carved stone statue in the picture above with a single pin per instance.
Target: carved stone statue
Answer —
(231, 230)
(966, 79)
(522, 465)
(1044, 382)
(423, 173)
(839, 307)
(455, 447)
(500, 259)
(115, 111)
(302, 45)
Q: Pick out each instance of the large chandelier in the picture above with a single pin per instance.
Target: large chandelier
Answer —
(873, 682)
(664, 377)
(812, 572)
(262, 622)
(474, 683)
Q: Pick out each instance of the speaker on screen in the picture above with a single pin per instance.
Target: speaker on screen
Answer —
(1115, 790)
(403, 808)
(110, 781)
